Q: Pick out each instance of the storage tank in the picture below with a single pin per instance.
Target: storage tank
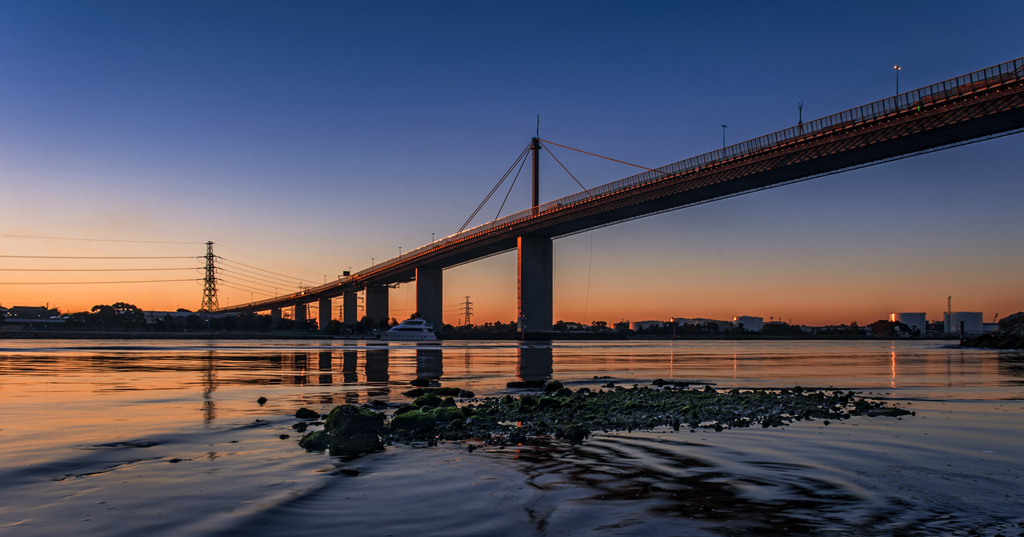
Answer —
(971, 319)
(914, 320)
(750, 324)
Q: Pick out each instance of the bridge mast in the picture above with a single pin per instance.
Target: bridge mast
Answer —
(535, 148)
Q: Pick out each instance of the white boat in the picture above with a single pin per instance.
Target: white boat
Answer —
(411, 330)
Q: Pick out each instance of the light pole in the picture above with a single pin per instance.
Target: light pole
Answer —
(399, 251)
(897, 69)
(723, 137)
(431, 237)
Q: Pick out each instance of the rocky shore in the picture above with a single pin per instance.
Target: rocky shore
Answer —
(1010, 335)
(552, 411)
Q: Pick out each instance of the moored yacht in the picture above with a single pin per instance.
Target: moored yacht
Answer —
(411, 330)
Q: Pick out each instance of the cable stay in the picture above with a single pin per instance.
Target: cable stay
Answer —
(495, 189)
(599, 156)
(514, 179)
(585, 189)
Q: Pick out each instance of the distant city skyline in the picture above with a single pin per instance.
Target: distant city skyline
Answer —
(311, 139)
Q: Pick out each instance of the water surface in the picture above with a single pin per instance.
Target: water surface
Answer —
(165, 437)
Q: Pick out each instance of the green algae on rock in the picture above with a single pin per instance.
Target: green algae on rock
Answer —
(349, 430)
(307, 414)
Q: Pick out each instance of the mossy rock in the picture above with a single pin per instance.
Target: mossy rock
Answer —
(427, 401)
(535, 384)
(528, 401)
(351, 420)
(416, 392)
(315, 441)
(448, 413)
(548, 402)
(448, 402)
(307, 414)
(420, 382)
(407, 408)
(466, 394)
(415, 421)
(553, 386)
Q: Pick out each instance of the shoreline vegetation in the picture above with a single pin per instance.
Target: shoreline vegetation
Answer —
(549, 411)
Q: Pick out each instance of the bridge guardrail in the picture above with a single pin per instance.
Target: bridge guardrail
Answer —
(915, 99)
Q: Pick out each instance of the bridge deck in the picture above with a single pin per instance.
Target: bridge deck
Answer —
(971, 107)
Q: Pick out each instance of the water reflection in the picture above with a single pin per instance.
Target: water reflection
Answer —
(326, 378)
(377, 365)
(535, 362)
(348, 367)
(429, 363)
(209, 386)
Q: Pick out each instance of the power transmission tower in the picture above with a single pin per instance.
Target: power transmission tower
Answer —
(468, 311)
(209, 282)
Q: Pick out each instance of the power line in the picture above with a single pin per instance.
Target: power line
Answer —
(243, 254)
(98, 257)
(13, 236)
(91, 270)
(99, 283)
(258, 274)
(259, 269)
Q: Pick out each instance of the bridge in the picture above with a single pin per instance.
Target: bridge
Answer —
(973, 107)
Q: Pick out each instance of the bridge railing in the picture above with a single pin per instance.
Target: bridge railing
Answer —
(914, 100)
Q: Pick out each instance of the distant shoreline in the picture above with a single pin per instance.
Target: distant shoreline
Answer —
(71, 335)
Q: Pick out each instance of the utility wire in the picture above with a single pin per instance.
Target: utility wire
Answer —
(91, 270)
(98, 257)
(257, 275)
(243, 254)
(252, 282)
(259, 269)
(13, 236)
(90, 283)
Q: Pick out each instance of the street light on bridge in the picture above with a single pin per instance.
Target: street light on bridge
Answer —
(723, 136)
(897, 68)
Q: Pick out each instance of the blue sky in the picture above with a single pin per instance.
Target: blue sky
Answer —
(321, 135)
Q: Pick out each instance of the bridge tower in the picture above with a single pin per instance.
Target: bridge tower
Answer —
(535, 269)
(209, 282)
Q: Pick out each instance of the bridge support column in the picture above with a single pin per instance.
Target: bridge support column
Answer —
(300, 315)
(325, 314)
(377, 304)
(349, 308)
(275, 318)
(428, 296)
(535, 284)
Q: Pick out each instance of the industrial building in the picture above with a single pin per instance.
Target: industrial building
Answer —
(915, 320)
(750, 324)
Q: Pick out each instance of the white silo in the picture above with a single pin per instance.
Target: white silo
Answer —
(914, 320)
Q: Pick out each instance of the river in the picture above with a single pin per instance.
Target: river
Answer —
(167, 438)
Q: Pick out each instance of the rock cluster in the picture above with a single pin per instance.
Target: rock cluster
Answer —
(1010, 335)
(562, 413)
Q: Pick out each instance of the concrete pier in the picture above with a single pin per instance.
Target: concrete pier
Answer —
(275, 318)
(300, 315)
(325, 313)
(377, 304)
(428, 296)
(535, 284)
(350, 308)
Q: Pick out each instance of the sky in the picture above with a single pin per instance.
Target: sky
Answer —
(308, 138)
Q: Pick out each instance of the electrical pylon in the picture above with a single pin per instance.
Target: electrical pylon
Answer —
(209, 282)
(469, 311)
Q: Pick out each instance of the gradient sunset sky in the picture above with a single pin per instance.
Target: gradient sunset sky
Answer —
(306, 138)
